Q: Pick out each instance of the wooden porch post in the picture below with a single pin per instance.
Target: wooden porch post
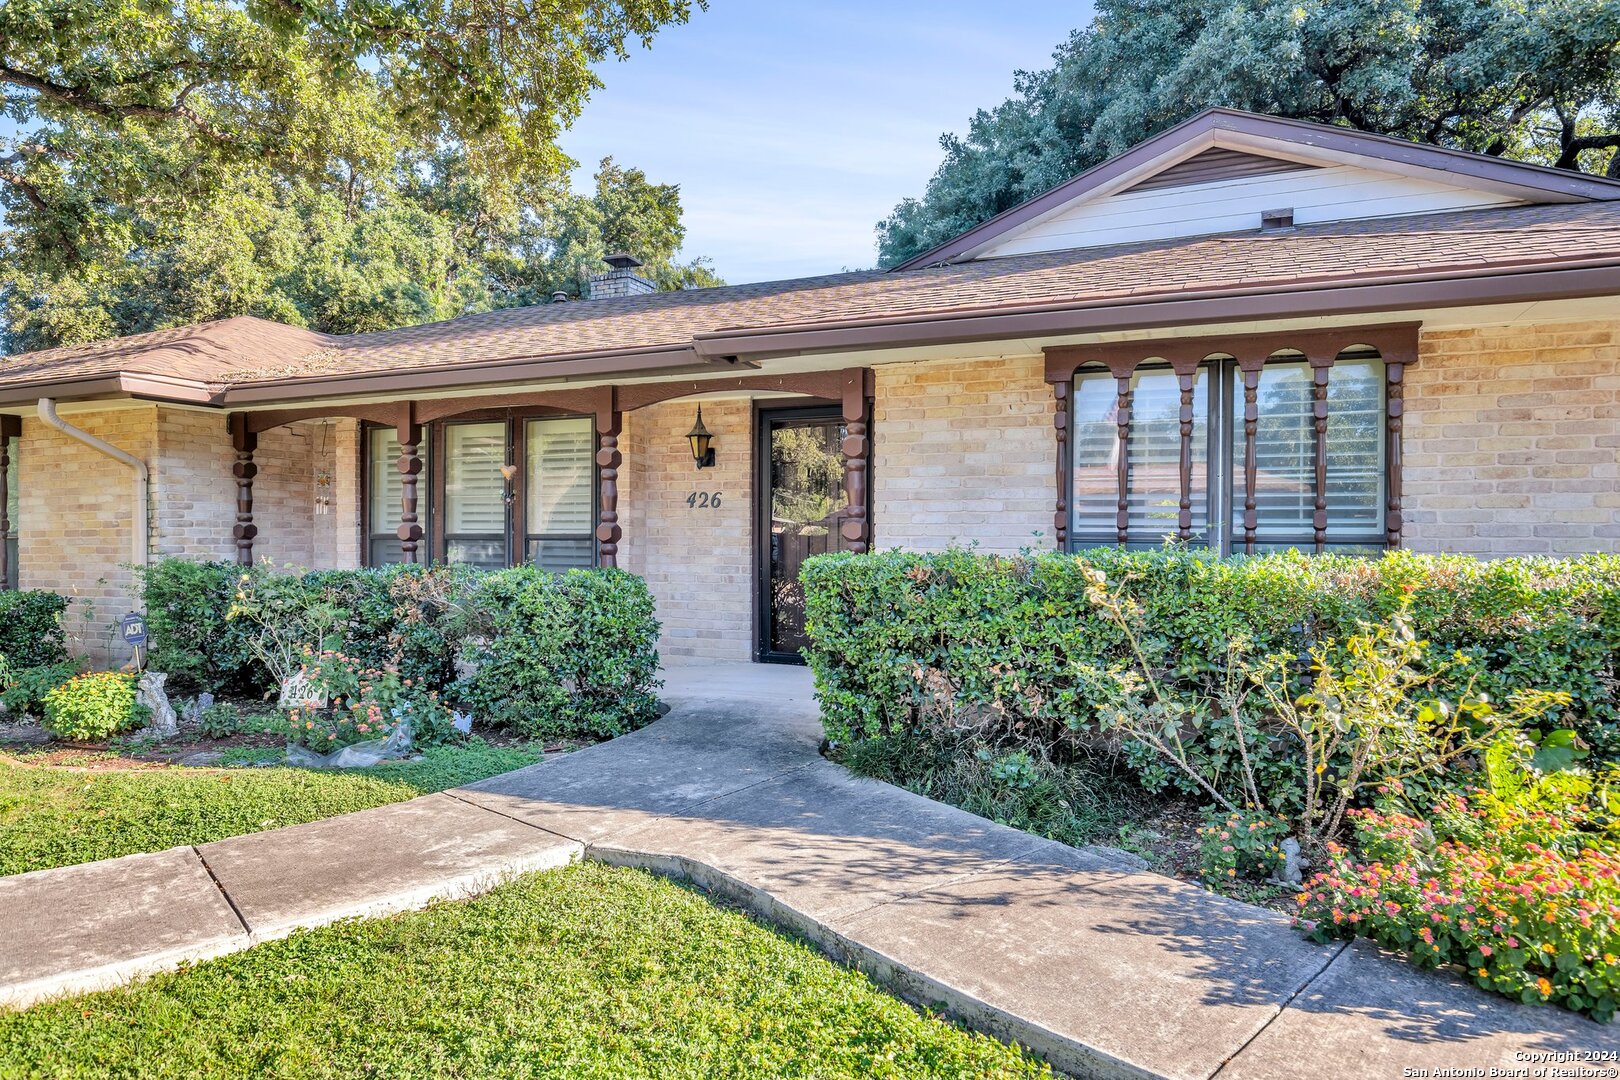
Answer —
(1061, 389)
(609, 425)
(409, 434)
(10, 428)
(857, 450)
(244, 470)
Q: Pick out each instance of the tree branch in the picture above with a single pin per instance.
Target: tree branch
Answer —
(79, 98)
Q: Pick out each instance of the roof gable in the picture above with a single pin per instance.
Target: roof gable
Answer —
(1221, 170)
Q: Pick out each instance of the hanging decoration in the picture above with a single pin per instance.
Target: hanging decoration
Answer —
(323, 475)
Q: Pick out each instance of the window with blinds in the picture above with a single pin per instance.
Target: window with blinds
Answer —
(560, 511)
(385, 490)
(1153, 458)
(1285, 485)
(475, 494)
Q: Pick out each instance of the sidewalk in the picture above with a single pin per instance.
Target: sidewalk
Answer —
(1103, 968)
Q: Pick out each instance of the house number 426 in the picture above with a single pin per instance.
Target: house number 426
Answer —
(704, 500)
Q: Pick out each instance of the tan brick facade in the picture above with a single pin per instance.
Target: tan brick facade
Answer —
(1511, 445)
(962, 453)
(698, 562)
(1512, 440)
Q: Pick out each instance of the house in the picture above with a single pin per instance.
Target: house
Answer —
(1246, 332)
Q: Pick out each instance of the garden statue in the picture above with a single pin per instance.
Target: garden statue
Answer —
(149, 693)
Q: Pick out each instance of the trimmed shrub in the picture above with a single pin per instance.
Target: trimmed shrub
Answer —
(566, 654)
(960, 642)
(92, 707)
(190, 633)
(551, 654)
(31, 629)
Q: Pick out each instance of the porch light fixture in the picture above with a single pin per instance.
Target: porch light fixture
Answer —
(702, 443)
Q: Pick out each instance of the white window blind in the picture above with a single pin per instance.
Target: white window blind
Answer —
(1153, 494)
(474, 489)
(561, 502)
(1094, 445)
(385, 490)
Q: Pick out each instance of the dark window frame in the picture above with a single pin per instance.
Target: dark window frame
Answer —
(431, 489)
(1229, 362)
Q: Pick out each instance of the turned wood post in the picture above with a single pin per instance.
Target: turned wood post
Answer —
(609, 425)
(1320, 365)
(10, 428)
(244, 470)
(857, 450)
(409, 435)
(1186, 376)
(1250, 366)
(1061, 389)
(1394, 409)
(1123, 369)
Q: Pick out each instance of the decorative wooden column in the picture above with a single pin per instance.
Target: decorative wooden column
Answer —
(1061, 390)
(245, 442)
(409, 435)
(1249, 366)
(857, 451)
(1186, 375)
(609, 425)
(10, 428)
(1320, 366)
(1122, 372)
(1394, 410)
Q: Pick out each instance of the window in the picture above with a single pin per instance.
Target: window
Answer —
(560, 523)
(1140, 500)
(385, 493)
(475, 494)
(545, 514)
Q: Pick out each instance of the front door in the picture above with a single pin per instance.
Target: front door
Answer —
(801, 506)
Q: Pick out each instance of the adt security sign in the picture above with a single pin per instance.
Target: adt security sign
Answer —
(134, 626)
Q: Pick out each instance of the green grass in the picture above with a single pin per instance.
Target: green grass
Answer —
(57, 817)
(589, 971)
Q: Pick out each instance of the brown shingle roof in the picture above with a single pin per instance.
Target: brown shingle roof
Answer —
(238, 351)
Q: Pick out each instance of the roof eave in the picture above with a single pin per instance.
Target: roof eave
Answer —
(1364, 295)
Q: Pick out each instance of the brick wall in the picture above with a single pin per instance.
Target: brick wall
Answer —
(697, 562)
(962, 452)
(74, 525)
(1512, 440)
(74, 528)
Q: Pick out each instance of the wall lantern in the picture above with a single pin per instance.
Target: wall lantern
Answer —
(702, 443)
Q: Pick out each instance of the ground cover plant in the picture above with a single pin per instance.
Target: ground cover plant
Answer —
(589, 971)
(1280, 699)
(109, 806)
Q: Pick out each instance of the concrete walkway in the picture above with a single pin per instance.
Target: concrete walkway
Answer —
(1104, 969)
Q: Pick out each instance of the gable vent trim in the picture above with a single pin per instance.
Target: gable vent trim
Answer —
(1216, 163)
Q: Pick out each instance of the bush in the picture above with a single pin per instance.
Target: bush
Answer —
(1524, 914)
(23, 691)
(31, 629)
(93, 707)
(958, 641)
(1239, 844)
(557, 655)
(190, 633)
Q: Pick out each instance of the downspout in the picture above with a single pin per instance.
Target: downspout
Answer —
(138, 546)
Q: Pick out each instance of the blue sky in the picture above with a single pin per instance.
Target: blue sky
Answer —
(793, 128)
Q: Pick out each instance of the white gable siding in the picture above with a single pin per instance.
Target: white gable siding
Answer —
(1336, 193)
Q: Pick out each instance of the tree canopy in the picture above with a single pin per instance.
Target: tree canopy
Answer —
(342, 164)
(1537, 82)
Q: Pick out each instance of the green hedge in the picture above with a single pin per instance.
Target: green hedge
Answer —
(31, 629)
(552, 654)
(1014, 647)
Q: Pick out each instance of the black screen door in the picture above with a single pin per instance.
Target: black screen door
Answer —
(801, 507)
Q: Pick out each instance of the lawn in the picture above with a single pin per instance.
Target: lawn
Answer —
(589, 971)
(53, 816)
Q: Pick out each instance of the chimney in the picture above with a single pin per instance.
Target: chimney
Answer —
(621, 279)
